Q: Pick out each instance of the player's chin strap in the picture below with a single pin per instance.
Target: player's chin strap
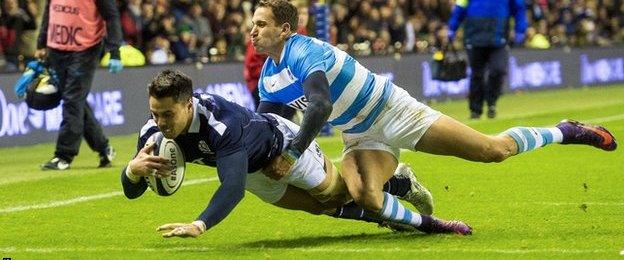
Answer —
(200, 224)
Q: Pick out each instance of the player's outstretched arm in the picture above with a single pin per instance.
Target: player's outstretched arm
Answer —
(232, 171)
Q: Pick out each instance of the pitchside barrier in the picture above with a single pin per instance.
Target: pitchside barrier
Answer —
(119, 101)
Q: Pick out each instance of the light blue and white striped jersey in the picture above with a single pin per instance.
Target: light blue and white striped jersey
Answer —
(357, 95)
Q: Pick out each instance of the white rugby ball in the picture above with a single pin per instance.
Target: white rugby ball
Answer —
(169, 149)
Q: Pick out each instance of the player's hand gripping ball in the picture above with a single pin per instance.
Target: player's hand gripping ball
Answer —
(169, 149)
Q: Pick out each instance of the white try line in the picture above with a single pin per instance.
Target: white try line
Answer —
(512, 251)
(578, 203)
(59, 203)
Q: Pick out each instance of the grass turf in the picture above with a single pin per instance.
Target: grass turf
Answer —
(559, 201)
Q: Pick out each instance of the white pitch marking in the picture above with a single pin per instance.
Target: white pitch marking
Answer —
(59, 203)
(606, 119)
(324, 250)
(578, 203)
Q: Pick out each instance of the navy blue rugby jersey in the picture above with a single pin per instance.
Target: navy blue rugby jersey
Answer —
(220, 128)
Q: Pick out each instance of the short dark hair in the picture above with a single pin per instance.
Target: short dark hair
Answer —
(171, 83)
(284, 12)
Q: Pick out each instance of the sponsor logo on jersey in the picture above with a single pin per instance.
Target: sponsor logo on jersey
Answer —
(300, 104)
(203, 147)
(279, 81)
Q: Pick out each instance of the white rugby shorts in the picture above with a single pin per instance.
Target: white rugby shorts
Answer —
(400, 125)
(307, 173)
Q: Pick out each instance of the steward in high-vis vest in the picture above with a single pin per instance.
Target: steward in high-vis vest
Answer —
(72, 37)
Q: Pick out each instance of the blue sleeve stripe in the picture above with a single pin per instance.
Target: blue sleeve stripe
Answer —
(360, 101)
(330, 61)
(370, 119)
(339, 84)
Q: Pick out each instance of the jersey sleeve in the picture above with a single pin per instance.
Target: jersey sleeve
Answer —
(309, 58)
(146, 131)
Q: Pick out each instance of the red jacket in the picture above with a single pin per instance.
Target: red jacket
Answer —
(253, 66)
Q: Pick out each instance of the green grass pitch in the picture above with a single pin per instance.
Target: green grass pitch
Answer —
(559, 201)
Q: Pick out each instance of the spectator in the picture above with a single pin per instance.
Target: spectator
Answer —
(150, 25)
(159, 51)
(217, 18)
(131, 23)
(201, 28)
(28, 38)
(235, 37)
(397, 30)
(13, 23)
(179, 46)
(341, 24)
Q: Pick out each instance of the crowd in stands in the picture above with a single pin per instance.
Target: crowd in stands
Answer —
(168, 31)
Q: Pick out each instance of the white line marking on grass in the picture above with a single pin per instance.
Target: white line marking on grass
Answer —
(606, 119)
(316, 249)
(579, 203)
(59, 203)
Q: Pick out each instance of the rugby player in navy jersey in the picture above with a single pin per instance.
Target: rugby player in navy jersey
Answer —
(240, 143)
(376, 117)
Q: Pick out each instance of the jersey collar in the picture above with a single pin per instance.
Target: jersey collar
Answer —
(194, 128)
(284, 50)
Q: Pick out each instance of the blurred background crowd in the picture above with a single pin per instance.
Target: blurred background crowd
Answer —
(217, 30)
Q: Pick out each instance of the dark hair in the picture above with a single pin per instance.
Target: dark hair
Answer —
(171, 83)
(284, 12)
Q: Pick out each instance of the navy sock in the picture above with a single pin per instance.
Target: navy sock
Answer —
(397, 186)
(353, 211)
(427, 224)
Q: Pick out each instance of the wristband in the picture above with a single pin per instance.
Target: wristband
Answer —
(200, 224)
(131, 176)
(291, 154)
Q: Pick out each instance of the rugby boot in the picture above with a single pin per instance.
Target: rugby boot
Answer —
(575, 132)
(418, 195)
(431, 225)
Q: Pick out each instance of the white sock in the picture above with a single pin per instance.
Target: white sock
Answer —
(531, 138)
